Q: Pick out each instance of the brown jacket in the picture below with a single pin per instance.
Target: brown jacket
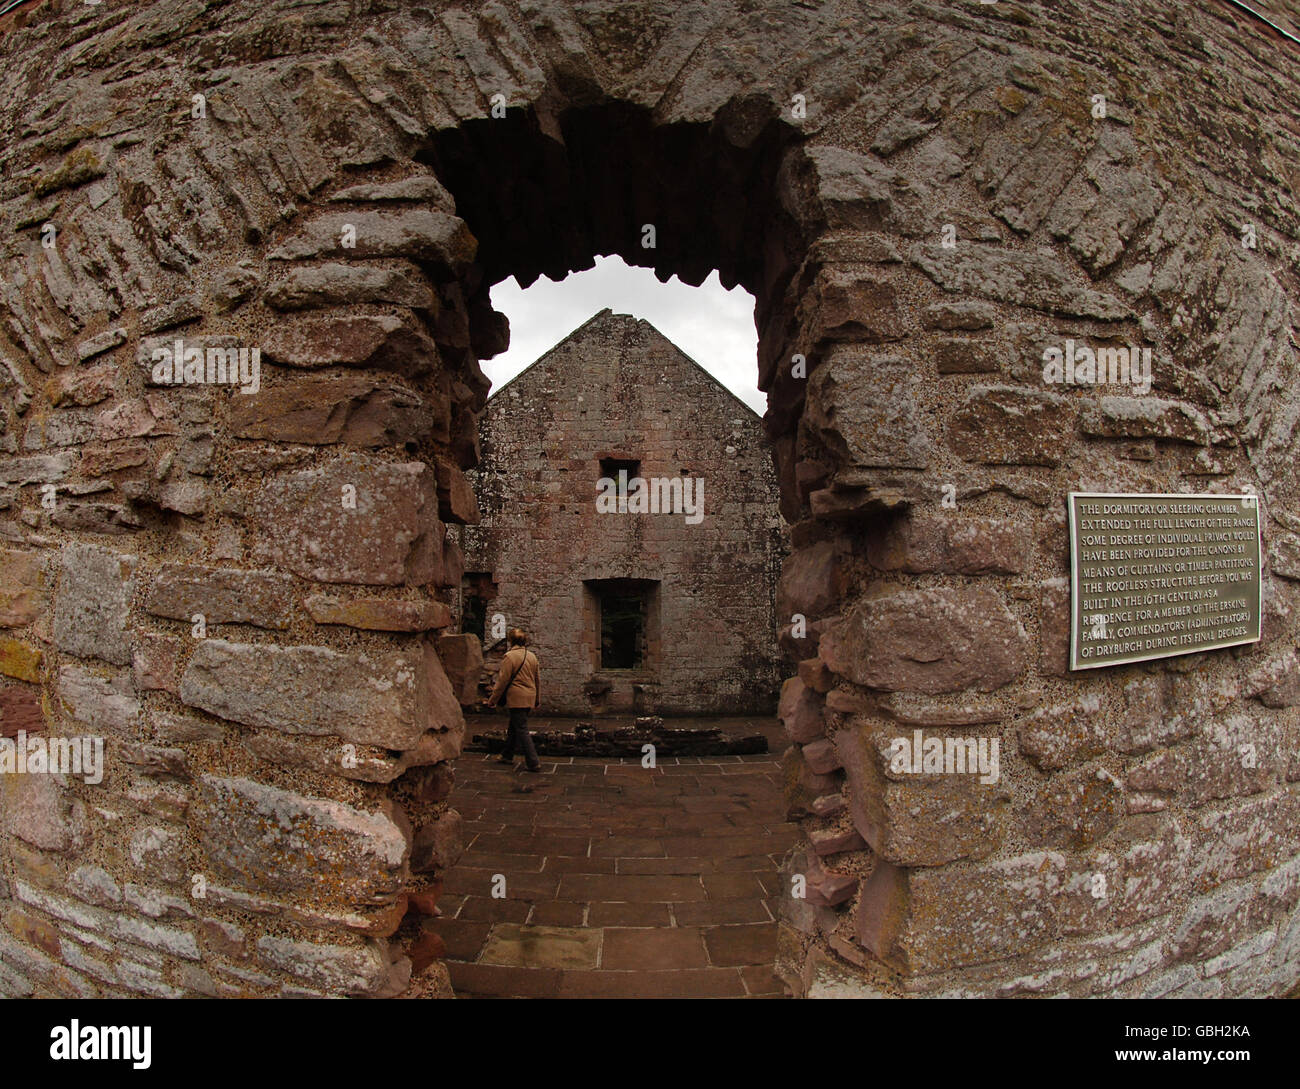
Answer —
(526, 688)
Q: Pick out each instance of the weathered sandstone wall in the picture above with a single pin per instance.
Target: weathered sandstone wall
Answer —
(326, 182)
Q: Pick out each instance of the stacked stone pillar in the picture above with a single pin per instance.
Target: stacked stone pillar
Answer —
(1106, 849)
(279, 726)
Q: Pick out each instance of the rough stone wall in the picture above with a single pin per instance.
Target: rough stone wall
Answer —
(128, 508)
(617, 388)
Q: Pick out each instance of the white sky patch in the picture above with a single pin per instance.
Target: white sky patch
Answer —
(714, 327)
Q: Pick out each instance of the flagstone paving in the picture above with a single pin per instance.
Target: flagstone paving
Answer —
(615, 880)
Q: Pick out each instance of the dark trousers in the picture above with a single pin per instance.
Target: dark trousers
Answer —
(517, 731)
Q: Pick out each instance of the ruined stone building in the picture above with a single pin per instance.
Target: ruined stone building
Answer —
(668, 610)
(923, 199)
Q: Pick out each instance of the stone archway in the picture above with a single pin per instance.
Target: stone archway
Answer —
(939, 198)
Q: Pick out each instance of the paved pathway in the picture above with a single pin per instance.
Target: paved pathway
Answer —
(619, 881)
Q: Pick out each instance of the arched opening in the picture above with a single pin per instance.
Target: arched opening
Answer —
(640, 868)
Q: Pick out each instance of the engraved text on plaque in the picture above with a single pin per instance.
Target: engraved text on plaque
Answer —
(1158, 575)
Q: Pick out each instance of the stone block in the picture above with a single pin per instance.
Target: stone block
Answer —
(849, 701)
(221, 595)
(1147, 417)
(429, 785)
(821, 757)
(1276, 683)
(112, 457)
(40, 468)
(1073, 810)
(225, 939)
(863, 407)
(155, 761)
(156, 661)
(82, 387)
(24, 586)
(1211, 923)
(829, 806)
(94, 599)
(167, 940)
(928, 920)
(916, 820)
(32, 931)
(456, 500)
(379, 613)
(803, 646)
(815, 675)
(966, 355)
(1002, 425)
(827, 841)
(417, 189)
(176, 730)
(415, 233)
(1020, 278)
(856, 307)
(968, 315)
(1284, 555)
(802, 784)
(453, 564)
(280, 843)
(813, 581)
(929, 641)
(352, 520)
(438, 844)
(20, 710)
(1232, 756)
(382, 342)
(158, 855)
(922, 543)
(127, 419)
(310, 287)
(462, 660)
(845, 188)
(106, 703)
(20, 660)
(1246, 837)
(42, 811)
(828, 888)
(800, 712)
(1054, 628)
(326, 756)
(389, 700)
(1055, 736)
(355, 970)
(358, 410)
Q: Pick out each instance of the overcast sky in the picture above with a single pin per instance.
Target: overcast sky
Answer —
(712, 326)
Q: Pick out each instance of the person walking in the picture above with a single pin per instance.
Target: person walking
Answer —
(519, 679)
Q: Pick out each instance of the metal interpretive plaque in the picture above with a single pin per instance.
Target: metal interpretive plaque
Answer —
(1152, 576)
